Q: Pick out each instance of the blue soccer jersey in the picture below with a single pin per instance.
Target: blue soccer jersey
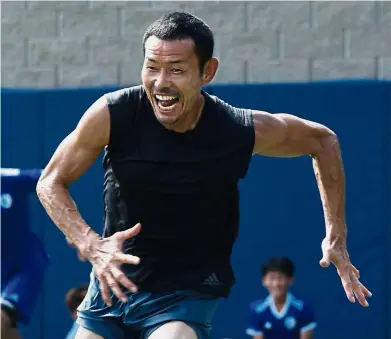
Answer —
(294, 317)
(16, 237)
(24, 259)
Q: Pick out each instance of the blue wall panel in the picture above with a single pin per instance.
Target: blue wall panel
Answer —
(21, 140)
(281, 210)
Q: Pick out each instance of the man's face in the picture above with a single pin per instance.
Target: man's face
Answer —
(171, 77)
(277, 284)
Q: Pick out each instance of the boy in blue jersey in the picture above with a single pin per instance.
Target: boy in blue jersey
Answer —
(280, 315)
(24, 259)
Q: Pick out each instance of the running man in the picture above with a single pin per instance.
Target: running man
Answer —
(173, 158)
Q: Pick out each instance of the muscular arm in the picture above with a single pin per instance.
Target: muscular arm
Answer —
(284, 135)
(76, 153)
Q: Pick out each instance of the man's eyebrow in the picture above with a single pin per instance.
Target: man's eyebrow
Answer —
(170, 62)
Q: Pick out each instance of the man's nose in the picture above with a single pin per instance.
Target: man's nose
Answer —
(162, 80)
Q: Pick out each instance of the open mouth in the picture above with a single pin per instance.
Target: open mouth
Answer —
(166, 102)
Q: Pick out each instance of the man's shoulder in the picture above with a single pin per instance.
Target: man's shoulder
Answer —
(229, 112)
(221, 103)
(124, 95)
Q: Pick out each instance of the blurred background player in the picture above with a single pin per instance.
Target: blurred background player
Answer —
(73, 299)
(23, 257)
(280, 315)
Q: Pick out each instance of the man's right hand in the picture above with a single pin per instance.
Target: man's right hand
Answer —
(106, 257)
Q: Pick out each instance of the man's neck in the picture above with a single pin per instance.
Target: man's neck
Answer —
(191, 119)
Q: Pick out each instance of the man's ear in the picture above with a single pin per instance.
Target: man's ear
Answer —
(210, 70)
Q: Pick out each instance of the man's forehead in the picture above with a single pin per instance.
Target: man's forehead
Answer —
(154, 46)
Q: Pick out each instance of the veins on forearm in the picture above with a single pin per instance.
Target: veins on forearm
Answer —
(63, 211)
(330, 177)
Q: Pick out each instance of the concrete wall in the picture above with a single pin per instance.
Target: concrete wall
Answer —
(90, 43)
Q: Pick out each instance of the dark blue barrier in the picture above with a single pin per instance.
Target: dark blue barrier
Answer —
(21, 131)
(281, 209)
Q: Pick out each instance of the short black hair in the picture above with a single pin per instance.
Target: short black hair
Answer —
(279, 264)
(75, 296)
(182, 25)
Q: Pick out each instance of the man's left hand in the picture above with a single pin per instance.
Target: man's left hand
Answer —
(335, 252)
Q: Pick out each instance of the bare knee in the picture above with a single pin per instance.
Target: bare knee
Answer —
(174, 330)
(83, 333)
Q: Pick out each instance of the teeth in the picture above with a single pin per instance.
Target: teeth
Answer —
(168, 108)
(164, 97)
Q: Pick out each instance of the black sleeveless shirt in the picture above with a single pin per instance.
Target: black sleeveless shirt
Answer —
(181, 187)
